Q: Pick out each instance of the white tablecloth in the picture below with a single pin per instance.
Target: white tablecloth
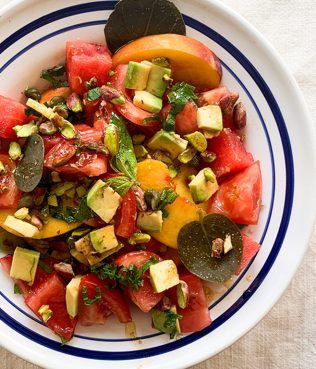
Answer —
(286, 337)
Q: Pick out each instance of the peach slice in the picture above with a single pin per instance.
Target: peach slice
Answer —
(53, 228)
(181, 212)
(53, 92)
(153, 175)
(190, 60)
(182, 187)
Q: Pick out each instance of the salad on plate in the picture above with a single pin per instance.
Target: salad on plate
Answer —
(126, 181)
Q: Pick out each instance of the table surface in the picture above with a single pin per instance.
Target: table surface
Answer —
(286, 337)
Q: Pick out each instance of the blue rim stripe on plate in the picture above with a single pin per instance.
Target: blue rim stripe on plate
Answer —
(285, 216)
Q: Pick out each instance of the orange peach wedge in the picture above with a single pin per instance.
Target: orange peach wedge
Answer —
(190, 60)
(53, 228)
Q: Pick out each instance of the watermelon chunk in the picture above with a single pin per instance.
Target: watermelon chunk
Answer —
(84, 61)
(12, 114)
(250, 248)
(231, 155)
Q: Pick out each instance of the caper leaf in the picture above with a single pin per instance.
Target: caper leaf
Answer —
(28, 172)
(195, 248)
(132, 19)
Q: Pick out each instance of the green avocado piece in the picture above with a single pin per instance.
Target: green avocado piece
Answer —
(166, 321)
(103, 200)
(168, 141)
(147, 101)
(24, 264)
(137, 75)
(156, 83)
(150, 221)
(163, 275)
(210, 118)
(203, 185)
(72, 296)
(103, 239)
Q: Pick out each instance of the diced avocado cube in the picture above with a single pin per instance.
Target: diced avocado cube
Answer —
(150, 221)
(163, 275)
(201, 188)
(20, 226)
(168, 141)
(210, 118)
(103, 239)
(164, 322)
(197, 140)
(136, 75)
(24, 264)
(95, 258)
(156, 83)
(210, 134)
(147, 101)
(83, 245)
(103, 200)
(79, 256)
(72, 296)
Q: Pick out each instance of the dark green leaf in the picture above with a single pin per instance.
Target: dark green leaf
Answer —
(132, 19)
(167, 196)
(28, 172)
(94, 94)
(93, 301)
(125, 160)
(195, 242)
(159, 200)
(17, 289)
(171, 322)
(120, 184)
(179, 95)
(51, 74)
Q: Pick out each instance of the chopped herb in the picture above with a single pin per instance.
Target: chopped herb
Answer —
(159, 200)
(94, 94)
(51, 74)
(93, 301)
(124, 276)
(171, 322)
(17, 289)
(70, 215)
(179, 95)
(45, 267)
(120, 184)
(153, 118)
(125, 160)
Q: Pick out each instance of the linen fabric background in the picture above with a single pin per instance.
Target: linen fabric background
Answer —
(286, 337)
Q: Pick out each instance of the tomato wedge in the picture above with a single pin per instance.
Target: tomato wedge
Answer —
(231, 155)
(144, 297)
(52, 291)
(125, 218)
(250, 248)
(239, 197)
(128, 109)
(9, 193)
(112, 300)
(196, 315)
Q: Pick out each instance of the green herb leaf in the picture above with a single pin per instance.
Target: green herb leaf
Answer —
(171, 322)
(130, 276)
(159, 200)
(17, 289)
(93, 301)
(179, 95)
(94, 94)
(125, 160)
(70, 215)
(51, 74)
(120, 184)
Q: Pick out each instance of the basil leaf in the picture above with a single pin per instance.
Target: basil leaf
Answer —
(125, 160)
(179, 95)
(94, 94)
(120, 184)
(51, 74)
(71, 215)
(87, 300)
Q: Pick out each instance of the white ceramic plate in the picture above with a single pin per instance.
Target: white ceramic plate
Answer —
(33, 35)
